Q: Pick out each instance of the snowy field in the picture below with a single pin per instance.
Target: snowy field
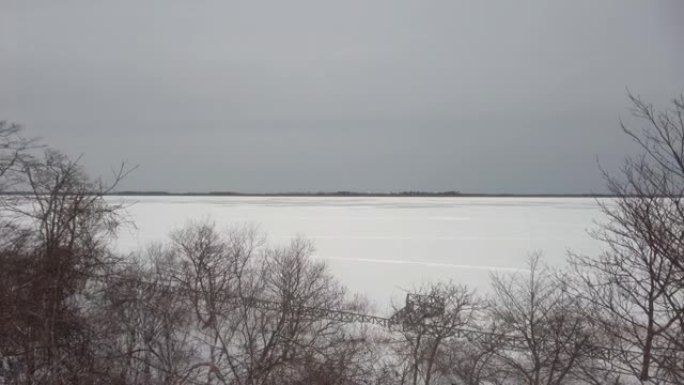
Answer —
(382, 247)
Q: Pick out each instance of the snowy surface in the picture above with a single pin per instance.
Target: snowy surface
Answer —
(383, 246)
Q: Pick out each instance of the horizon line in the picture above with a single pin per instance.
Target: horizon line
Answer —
(435, 194)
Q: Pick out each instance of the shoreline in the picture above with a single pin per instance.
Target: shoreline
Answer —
(358, 195)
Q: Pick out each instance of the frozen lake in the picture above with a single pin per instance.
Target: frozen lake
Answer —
(383, 246)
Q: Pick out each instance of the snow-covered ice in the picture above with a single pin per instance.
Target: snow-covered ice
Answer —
(382, 246)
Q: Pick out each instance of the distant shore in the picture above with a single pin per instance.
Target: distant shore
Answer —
(408, 194)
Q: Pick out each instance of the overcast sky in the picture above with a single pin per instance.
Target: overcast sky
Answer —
(315, 95)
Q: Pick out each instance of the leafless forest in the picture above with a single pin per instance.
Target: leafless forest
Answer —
(210, 307)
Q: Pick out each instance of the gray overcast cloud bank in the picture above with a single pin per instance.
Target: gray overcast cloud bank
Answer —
(264, 96)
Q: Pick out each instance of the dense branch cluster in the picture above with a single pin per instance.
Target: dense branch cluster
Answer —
(72, 311)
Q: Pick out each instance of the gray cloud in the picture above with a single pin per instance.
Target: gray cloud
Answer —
(357, 95)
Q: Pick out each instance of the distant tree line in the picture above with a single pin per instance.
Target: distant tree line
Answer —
(419, 194)
(304, 194)
(210, 307)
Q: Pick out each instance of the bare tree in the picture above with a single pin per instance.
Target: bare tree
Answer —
(475, 360)
(258, 310)
(637, 285)
(13, 146)
(552, 338)
(57, 224)
(432, 316)
(144, 322)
